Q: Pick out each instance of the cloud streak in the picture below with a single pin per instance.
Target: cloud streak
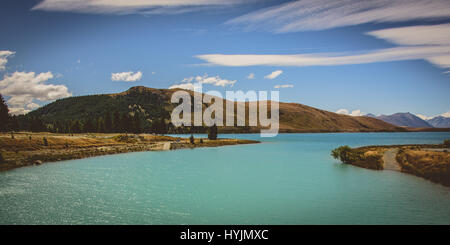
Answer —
(130, 6)
(433, 54)
(429, 43)
(354, 113)
(189, 83)
(126, 76)
(4, 54)
(307, 15)
(274, 74)
(284, 86)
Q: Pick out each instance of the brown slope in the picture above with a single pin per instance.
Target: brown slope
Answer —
(294, 117)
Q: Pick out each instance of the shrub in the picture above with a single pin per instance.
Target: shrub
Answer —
(212, 133)
(447, 143)
(45, 141)
(345, 154)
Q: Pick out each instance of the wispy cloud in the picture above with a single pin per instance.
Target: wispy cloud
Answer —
(305, 15)
(4, 58)
(284, 86)
(24, 87)
(189, 83)
(131, 6)
(274, 74)
(126, 76)
(420, 36)
(429, 43)
(353, 113)
(330, 59)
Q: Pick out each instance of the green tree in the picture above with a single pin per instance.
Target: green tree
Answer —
(75, 127)
(137, 128)
(2, 160)
(108, 122)
(14, 123)
(88, 126)
(116, 122)
(4, 115)
(100, 125)
(212, 133)
(344, 154)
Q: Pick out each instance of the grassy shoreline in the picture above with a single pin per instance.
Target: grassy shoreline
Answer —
(28, 149)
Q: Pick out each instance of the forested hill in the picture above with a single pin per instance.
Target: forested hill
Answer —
(142, 109)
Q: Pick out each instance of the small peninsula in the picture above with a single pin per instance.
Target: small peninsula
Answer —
(429, 161)
(26, 149)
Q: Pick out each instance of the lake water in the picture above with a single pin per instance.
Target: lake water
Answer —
(289, 179)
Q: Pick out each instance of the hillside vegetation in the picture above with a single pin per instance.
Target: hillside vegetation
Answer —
(142, 109)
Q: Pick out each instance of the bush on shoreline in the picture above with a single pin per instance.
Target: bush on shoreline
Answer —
(358, 157)
(447, 143)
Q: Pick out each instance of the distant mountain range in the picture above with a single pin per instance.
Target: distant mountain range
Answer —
(439, 122)
(410, 120)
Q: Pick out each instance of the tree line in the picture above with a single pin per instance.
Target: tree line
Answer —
(110, 122)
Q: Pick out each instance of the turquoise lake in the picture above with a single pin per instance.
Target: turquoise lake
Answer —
(289, 179)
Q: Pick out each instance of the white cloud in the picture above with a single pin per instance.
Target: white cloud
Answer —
(126, 76)
(284, 86)
(342, 111)
(189, 83)
(18, 110)
(188, 86)
(4, 58)
(251, 76)
(430, 43)
(424, 117)
(33, 106)
(307, 15)
(24, 87)
(420, 36)
(446, 114)
(274, 74)
(353, 113)
(435, 54)
(130, 6)
(415, 35)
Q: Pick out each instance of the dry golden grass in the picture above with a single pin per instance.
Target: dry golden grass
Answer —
(432, 165)
(23, 150)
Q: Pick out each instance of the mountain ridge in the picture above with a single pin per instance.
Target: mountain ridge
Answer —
(403, 119)
(153, 104)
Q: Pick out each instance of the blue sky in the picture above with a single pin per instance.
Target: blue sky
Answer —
(329, 57)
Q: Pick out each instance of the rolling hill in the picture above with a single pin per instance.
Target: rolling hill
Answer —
(154, 104)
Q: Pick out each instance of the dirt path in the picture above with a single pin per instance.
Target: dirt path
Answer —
(390, 163)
